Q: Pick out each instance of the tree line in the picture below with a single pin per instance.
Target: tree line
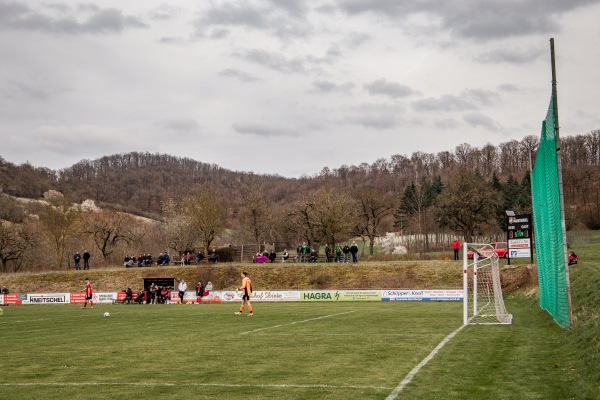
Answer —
(156, 203)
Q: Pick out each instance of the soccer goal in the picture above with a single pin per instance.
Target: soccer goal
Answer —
(483, 301)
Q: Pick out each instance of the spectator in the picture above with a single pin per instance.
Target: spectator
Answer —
(572, 258)
(299, 252)
(259, 258)
(188, 258)
(314, 256)
(327, 252)
(213, 257)
(346, 251)
(86, 259)
(166, 259)
(455, 248)
(164, 295)
(284, 256)
(77, 259)
(199, 292)
(199, 257)
(128, 262)
(272, 256)
(354, 252)
(152, 292)
(140, 297)
(338, 253)
(182, 289)
(128, 296)
(305, 251)
(5, 290)
(208, 288)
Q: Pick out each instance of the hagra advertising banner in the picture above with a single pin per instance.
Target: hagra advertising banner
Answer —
(340, 295)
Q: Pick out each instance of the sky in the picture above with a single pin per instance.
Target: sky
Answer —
(288, 87)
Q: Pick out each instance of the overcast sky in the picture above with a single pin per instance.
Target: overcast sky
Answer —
(288, 87)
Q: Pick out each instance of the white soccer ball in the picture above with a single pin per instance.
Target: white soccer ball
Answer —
(106, 314)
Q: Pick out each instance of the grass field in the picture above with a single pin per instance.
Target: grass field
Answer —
(286, 351)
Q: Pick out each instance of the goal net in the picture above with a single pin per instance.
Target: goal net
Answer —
(483, 301)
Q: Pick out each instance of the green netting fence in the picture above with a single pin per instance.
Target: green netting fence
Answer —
(548, 226)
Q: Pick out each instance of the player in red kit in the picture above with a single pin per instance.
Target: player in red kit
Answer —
(88, 293)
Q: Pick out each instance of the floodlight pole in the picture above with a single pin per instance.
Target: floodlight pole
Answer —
(560, 183)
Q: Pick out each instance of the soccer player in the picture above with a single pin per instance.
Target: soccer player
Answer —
(246, 293)
(88, 293)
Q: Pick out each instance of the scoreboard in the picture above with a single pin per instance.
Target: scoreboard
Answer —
(519, 235)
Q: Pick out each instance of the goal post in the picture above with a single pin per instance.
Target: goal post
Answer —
(483, 299)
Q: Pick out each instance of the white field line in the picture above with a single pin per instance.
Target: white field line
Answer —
(416, 369)
(168, 384)
(296, 322)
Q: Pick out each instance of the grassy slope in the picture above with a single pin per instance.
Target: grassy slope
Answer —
(380, 275)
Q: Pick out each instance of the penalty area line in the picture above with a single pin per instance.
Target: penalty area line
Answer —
(170, 384)
(416, 369)
(296, 322)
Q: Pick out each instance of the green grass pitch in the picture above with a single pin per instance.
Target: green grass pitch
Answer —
(285, 351)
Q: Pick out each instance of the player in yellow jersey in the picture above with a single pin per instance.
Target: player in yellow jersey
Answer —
(246, 293)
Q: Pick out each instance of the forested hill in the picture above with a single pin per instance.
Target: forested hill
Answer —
(140, 182)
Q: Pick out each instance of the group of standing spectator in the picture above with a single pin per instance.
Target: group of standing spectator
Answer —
(305, 253)
(86, 260)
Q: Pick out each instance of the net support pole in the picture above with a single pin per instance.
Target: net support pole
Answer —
(560, 184)
(475, 260)
(465, 285)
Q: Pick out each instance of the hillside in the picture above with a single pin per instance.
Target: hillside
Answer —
(372, 275)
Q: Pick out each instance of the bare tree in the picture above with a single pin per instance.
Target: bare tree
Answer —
(58, 220)
(373, 207)
(108, 228)
(467, 203)
(324, 216)
(15, 241)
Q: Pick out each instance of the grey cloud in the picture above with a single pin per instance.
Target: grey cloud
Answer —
(109, 20)
(239, 75)
(390, 89)
(332, 87)
(23, 90)
(470, 99)
(296, 8)
(446, 123)
(508, 87)
(282, 18)
(164, 12)
(480, 120)
(444, 103)
(218, 33)
(275, 61)
(510, 56)
(378, 117)
(487, 20)
(482, 97)
(263, 129)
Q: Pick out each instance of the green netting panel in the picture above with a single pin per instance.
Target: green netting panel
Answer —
(547, 225)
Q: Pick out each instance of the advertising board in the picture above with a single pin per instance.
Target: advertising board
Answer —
(422, 295)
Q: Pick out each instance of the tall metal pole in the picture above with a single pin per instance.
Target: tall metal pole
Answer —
(560, 184)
